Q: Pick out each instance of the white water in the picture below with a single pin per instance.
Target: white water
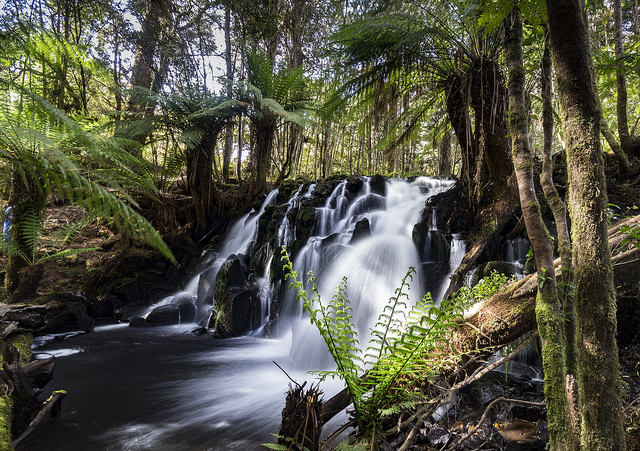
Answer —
(374, 265)
(164, 389)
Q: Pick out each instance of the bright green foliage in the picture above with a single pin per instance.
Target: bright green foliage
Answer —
(484, 289)
(280, 447)
(53, 153)
(404, 347)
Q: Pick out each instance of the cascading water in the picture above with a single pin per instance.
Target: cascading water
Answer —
(178, 391)
(374, 261)
(515, 254)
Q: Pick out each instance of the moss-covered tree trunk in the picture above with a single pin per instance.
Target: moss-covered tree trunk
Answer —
(559, 211)
(549, 312)
(598, 367)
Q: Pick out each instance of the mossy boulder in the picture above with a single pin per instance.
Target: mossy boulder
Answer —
(235, 297)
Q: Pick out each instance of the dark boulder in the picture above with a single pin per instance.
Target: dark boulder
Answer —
(184, 303)
(138, 321)
(354, 185)
(361, 230)
(164, 315)
(378, 184)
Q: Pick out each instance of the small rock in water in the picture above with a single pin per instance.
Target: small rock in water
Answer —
(138, 321)
(199, 331)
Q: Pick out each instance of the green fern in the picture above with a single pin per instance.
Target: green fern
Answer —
(47, 151)
(398, 351)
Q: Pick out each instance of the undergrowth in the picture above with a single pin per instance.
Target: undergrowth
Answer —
(408, 344)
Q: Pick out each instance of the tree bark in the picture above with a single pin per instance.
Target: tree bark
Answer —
(629, 143)
(598, 367)
(549, 312)
(228, 141)
(142, 71)
(558, 209)
(623, 161)
(200, 180)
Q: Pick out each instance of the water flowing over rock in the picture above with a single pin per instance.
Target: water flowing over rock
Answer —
(367, 229)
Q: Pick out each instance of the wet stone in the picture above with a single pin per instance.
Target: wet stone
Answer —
(164, 315)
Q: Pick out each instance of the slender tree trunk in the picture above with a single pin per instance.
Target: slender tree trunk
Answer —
(445, 164)
(621, 79)
(598, 367)
(240, 144)
(559, 210)
(228, 140)
(549, 312)
(623, 161)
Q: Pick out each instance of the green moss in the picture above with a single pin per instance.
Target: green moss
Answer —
(22, 342)
(6, 418)
(522, 308)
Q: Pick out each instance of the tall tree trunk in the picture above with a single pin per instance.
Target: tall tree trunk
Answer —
(228, 140)
(549, 312)
(261, 159)
(240, 144)
(630, 144)
(558, 208)
(142, 71)
(200, 180)
(445, 163)
(598, 367)
(623, 161)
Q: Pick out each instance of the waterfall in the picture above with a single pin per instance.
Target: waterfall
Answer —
(361, 232)
(515, 254)
(374, 261)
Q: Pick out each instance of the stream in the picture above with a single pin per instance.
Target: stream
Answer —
(164, 388)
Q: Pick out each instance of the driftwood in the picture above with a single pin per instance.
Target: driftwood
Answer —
(23, 385)
(491, 405)
(50, 408)
(23, 392)
(72, 312)
(301, 426)
(40, 372)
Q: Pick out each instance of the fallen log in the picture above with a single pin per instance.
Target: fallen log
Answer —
(510, 313)
(40, 372)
